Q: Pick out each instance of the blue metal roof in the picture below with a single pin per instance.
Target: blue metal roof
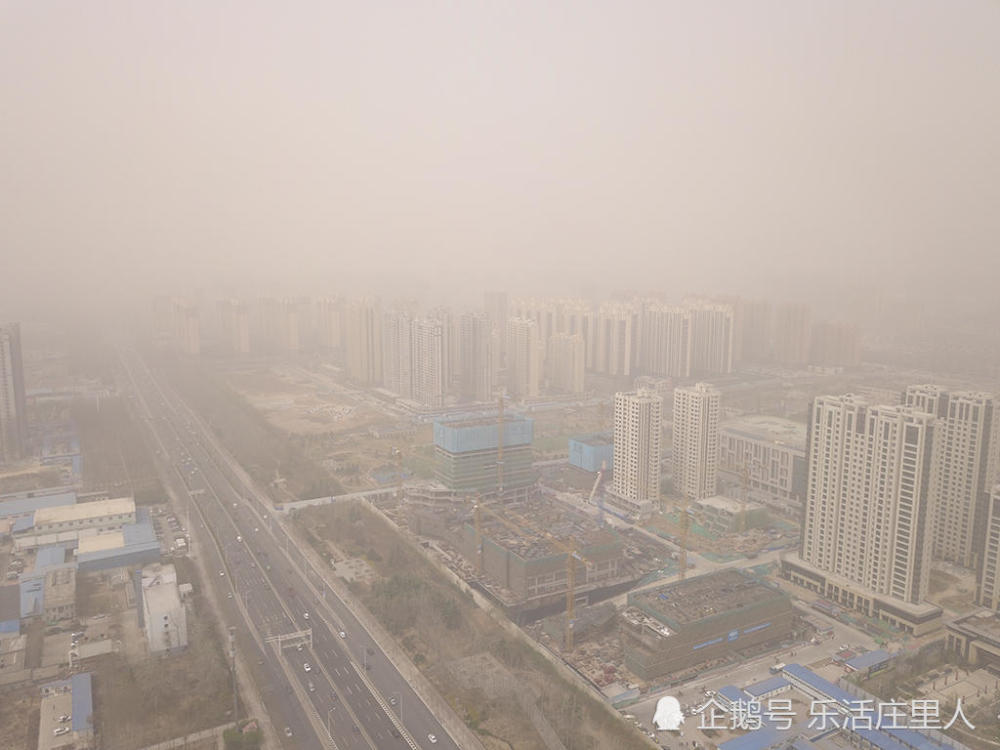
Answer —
(23, 523)
(19, 504)
(818, 683)
(732, 693)
(141, 532)
(50, 555)
(766, 686)
(82, 701)
(870, 659)
(759, 739)
(32, 595)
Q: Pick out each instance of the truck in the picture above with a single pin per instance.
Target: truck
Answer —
(775, 669)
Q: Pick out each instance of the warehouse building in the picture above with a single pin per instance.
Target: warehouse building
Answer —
(163, 614)
(677, 626)
(592, 452)
(67, 523)
(466, 456)
(135, 544)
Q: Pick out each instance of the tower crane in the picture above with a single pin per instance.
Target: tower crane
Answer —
(573, 557)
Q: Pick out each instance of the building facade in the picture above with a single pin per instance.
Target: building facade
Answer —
(13, 419)
(637, 449)
(771, 450)
(566, 361)
(524, 358)
(466, 456)
(696, 440)
(959, 477)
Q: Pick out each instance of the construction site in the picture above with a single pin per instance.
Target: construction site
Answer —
(534, 557)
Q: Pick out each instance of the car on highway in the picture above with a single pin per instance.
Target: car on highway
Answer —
(307, 667)
(305, 615)
(60, 731)
(222, 572)
(288, 731)
(342, 634)
(392, 701)
(432, 739)
(312, 687)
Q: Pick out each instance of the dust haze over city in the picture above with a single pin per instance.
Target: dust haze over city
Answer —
(499, 375)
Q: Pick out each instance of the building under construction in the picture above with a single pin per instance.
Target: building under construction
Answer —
(668, 630)
(468, 459)
(517, 553)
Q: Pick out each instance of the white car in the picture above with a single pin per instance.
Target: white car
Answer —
(307, 667)
(432, 739)
(342, 634)
(222, 572)
(305, 615)
(60, 731)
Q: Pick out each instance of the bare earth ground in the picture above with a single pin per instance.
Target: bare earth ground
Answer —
(153, 699)
(440, 627)
(19, 718)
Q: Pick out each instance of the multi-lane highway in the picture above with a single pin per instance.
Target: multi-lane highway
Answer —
(351, 696)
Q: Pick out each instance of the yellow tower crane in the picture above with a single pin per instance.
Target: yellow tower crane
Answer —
(572, 557)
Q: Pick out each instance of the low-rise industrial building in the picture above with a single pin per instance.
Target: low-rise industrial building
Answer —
(674, 627)
(164, 618)
(466, 456)
(67, 704)
(68, 523)
(133, 545)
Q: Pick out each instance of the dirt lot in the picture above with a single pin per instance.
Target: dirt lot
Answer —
(154, 699)
(19, 718)
(440, 627)
(116, 459)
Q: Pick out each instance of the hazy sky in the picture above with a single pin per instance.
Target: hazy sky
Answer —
(576, 146)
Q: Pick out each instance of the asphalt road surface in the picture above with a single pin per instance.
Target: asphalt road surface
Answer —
(264, 593)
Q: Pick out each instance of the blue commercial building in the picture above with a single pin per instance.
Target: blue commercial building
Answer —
(24, 504)
(466, 455)
(139, 546)
(592, 452)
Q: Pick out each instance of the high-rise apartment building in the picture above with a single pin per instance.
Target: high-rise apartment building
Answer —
(637, 436)
(612, 339)
(711, 338)
(429, 364)
(329, 323)
(792, 330)
(868, 514)
(988, 584)
(187, 327)
(477, 357)
(498, 311)
(959, 483)
(363, 341)
(834, 344)
(235, 326)
(753, 322)
(13, 419)
(696, 440)
(565, 363)
(666, 341)
(397, 353)
(524, 358)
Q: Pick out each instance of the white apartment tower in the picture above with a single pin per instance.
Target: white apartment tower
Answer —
(868, 510)
(363, 341)
(711, 338)
(524, 358)
(397, 353)
(566, 362)
(960, 483)
(477, 357)
(13, 420)
(988, 588)
(429, 364)
(666, 339)
(696, 440)
(638, 426)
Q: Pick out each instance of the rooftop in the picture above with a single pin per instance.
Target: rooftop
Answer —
(721, 502)
(597, 439)
(765, 686)
(541, 525)
(100, 542)
(684, 602)
(774, 429)
(84, 511)
(21, 503)
(10, 603)
(870, 659)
